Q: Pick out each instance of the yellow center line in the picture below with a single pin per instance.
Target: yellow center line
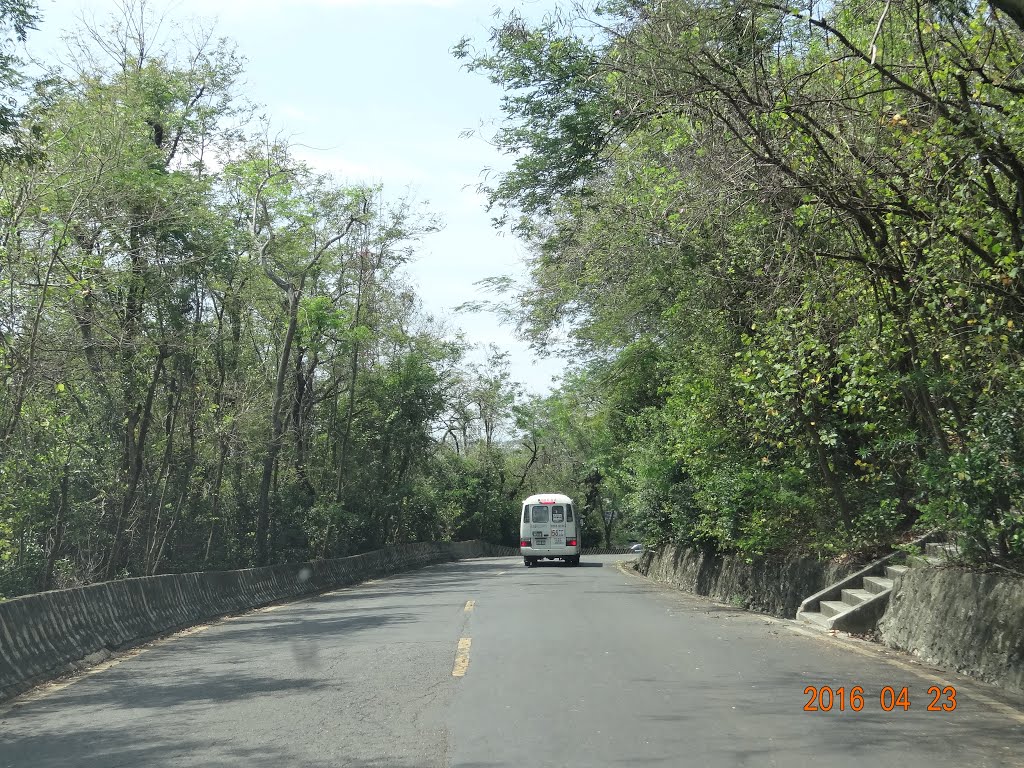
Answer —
(462, 657)
(470, 604)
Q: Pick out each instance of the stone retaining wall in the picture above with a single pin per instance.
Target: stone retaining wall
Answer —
(50, 633)
(772, 586)
(972, 623)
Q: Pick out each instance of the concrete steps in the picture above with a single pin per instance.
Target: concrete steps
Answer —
(873, 589)
(829, 608)
(856, 596)
(856, 603)
(816, 619)
(877, 584)
(936, 553)
(942, 551)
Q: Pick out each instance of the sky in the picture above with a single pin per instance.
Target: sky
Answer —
(369, 91)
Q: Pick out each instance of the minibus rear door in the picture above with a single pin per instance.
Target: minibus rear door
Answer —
(556, 537)
(540, 526)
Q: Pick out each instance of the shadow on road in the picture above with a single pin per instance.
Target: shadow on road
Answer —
(560, 564)
(127, 690)
(263, 628)
(79, 742)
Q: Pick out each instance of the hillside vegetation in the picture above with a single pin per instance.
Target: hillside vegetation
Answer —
(778, 250)
(784, 245)
(209, 357)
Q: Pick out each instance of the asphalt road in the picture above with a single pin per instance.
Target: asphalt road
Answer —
(487, 663)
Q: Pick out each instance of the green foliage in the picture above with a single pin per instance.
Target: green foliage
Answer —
(207, 355)
(793, 278)
(17, 17)
(562, 113)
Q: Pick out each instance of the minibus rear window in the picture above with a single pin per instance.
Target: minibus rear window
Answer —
(540, 514)
(557, 514)
(568, 513)
(526, 514)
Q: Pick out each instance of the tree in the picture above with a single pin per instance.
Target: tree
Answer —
(17, 17)
(209, 355)
(811, 219)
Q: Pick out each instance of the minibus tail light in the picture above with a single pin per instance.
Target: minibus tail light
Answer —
(571, 543)
(524, 542)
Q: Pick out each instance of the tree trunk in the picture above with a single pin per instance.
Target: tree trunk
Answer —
(58, 533)
(825, 467)
(276, 432)
(134, 461)
(353, 373)
(218, 483)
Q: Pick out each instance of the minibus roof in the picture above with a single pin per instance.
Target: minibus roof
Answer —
(548, 498)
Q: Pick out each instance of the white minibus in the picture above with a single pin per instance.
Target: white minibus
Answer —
(549, 528)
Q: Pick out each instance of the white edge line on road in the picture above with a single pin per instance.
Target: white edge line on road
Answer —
(884, 653)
